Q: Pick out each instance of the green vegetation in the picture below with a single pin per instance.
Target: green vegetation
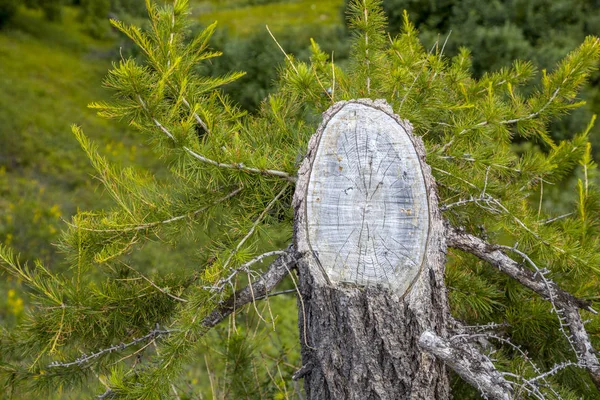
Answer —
(49, 74)
(150, 245)
(8, 8)
(278, 15)
(498, 32)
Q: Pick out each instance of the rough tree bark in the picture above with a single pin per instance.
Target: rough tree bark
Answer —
(371, 254)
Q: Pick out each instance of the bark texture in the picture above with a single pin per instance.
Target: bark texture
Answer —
(360, 341)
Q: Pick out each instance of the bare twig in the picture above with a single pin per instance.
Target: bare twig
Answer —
(283, 51)
(566, 305)
(263, 285)
(244, 268)
(332, 78)
(550, 220)
(551, 296)
(105, 395)
(85, 358)
(530, 385)
(495, 206)
(278, 293)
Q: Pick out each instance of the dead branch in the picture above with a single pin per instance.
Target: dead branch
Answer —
(473, 366)
(565, 304)
(258, 289)
(261, 287)
(86, 358)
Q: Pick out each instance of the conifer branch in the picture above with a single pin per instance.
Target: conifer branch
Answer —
(183, 99)
(149, 225)
(505, 122)
(154, 285)
(137, 37)
(258, 289)
(86, 358)
(424, 61)
(241, 167)
(470, 364)
(534, 114)
(566, 305)
(158, 124)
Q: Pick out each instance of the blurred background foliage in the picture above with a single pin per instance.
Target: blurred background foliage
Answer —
(54, 55)
(500, 31)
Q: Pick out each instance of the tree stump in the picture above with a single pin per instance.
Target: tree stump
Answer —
(371, 250)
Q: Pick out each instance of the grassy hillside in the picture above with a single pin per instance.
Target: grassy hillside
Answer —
(49, 73)
(244, 19)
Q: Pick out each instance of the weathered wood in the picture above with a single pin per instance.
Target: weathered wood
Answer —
(360, 320)
(366, 204)
(470, 364)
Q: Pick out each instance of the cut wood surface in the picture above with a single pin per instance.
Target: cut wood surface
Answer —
(366, 203)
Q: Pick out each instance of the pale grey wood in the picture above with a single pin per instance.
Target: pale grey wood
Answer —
(564, 301)
(366, 204)
(360, 340)
(470, 364)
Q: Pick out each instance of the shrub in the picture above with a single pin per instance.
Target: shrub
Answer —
(8, 8)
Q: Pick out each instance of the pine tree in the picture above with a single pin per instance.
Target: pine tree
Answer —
(521, 280)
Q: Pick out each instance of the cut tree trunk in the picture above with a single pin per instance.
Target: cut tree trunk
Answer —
(371, 249)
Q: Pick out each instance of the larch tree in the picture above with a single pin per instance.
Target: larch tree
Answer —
(542, 31)
(419, 240)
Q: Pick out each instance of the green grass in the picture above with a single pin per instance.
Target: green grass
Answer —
(278, 16)
(49, 72)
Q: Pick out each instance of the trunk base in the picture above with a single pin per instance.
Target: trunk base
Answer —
(363, 344)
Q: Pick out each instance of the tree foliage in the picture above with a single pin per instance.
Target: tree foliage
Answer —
(8, 8)
(232, 177)
(499, 32)
(260, 59)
